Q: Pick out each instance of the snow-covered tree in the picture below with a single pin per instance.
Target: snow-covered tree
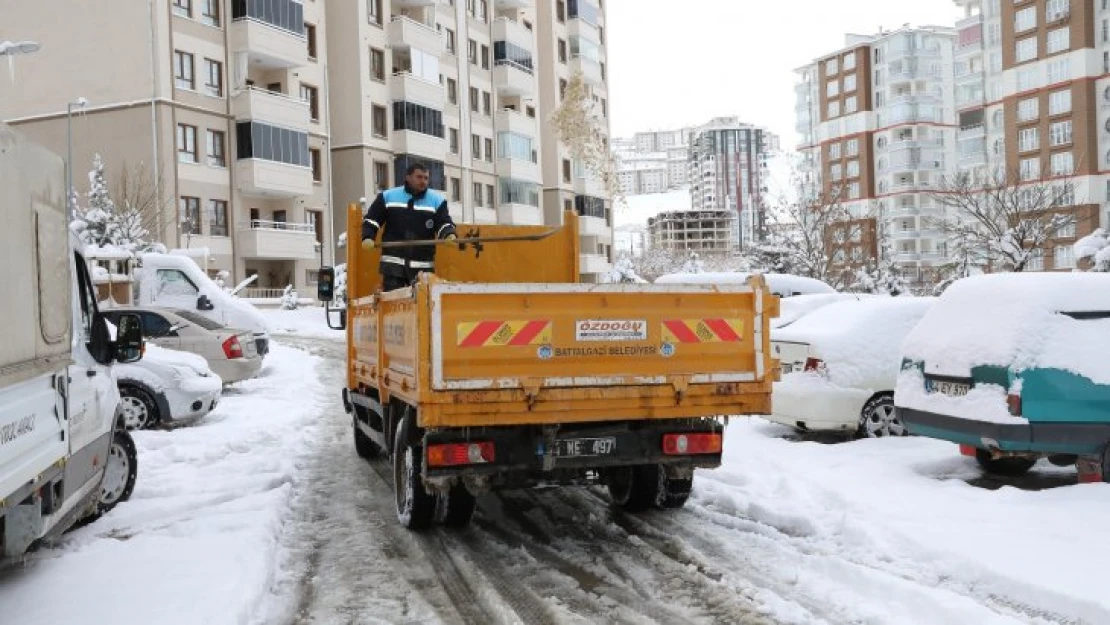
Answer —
(340, 289)
(125, 224)
(624, 272)
(1096, 248)
(580, 127)
(964, 260)
(1000, 219)
(883, 276)
(289, 298)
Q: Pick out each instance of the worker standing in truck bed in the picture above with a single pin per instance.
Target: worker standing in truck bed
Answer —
(411, 212)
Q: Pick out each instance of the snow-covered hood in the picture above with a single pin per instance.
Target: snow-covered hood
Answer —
(174, 358)
(781, 284)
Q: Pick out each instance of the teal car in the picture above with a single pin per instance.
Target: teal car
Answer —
(1015, 367)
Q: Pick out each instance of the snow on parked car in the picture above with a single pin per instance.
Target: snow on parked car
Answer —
(794, 308)
(166, 387)
(840, 365)
(781, 284)
(1015, 366)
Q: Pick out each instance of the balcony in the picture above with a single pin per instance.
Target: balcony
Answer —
(517, 169)
(404, 33)
(593, 264)
(505, 29)
(267, 46)
(256, 176)
(584, 185)
(508, 120)
(413, 4)
(513, 79)
(277, 240)
(512, 4)
(519, 215)
(903, 235)
(589, 226)
(972, 157)
(591, 69)
(270, 107)
(418, 144)
(408, 87)
(978, 131)
(484, 215)
(904, 211)
(912, 98)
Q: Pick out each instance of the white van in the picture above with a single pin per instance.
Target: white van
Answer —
(64, 454)
(173, 281)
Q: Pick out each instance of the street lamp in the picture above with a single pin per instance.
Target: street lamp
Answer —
(79, 103)
(18, 47)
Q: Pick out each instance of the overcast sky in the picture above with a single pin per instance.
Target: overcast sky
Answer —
(676, 63)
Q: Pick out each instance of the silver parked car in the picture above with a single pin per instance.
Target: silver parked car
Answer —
(231, 353)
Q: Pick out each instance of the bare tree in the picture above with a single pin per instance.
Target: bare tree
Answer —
(999, 221)
(583, 130)
(142, 202)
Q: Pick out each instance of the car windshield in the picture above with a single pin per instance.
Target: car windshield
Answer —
(199, 320)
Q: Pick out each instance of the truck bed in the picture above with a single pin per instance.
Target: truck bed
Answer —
(509, 354)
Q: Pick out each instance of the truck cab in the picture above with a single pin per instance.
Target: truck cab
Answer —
(64, 455)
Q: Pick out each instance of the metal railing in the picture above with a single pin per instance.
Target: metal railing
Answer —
(261, 293)
(279, 226)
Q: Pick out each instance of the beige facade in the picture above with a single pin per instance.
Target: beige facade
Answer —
(222, 105)
(465, 87)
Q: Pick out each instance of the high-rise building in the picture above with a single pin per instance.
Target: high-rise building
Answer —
(1033, 99)
(877, 125)
(217, 109)
(654, 161)
(727, 170)
(466, 87)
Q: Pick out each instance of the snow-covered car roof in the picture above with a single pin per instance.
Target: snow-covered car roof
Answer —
(1015, 320)
(793, 308)
(779, 283)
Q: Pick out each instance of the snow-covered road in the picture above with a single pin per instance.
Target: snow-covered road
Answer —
(264, 514)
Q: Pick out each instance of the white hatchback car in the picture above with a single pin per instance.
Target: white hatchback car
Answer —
(166, 387)
(840, 364)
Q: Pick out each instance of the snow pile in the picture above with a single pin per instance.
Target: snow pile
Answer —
(859, 340)
(1012, 320)
(1095, 246)
(289, 298)
(197, 542)
(309, 321)
(784, 285)
(984, 402)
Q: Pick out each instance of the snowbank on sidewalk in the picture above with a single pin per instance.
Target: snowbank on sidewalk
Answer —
(309, 321)
(197, 542)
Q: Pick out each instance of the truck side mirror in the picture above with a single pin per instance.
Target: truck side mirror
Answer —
(129, 338)
(203, 303)
(325, 284)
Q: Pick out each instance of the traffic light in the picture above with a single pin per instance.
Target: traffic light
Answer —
(325, 284)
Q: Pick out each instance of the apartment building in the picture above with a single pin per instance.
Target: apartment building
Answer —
(466, 87)
(642, 173)
(707, 232)
(223, 104)
(727, 170)
(877, 124)
(1033, 97)
(653, 161)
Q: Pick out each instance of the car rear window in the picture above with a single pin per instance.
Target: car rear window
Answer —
(199, 320)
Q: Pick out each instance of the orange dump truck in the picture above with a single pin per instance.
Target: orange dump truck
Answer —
(502, 371)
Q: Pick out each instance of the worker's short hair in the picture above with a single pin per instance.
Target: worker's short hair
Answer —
(415, 167)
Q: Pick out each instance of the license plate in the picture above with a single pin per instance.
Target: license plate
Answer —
(948, 387)
(579, 447)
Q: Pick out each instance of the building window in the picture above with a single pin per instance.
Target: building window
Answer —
(456, 190)
(377, 65)
(562, 89)
(1059, 102)
(476, 147)
(184, 8)
(1025, 49)
(491, 199)
(381, 175)
(832, 67)
(489, 150)
(217, 218)
(378, 121)
(850, 61)
(485, 57)
(1063, 257)
(850, 82)
(834, 150)
(1028, 109)
(1062, 164)
(853, 169)
(1025, 19)
(850, 105)
(1066, 231)
(1058, 40)
(452, 91)
(1030, 168)
(834, 109)
(311, 95)
(563, 51)
(487, 103)
(317, 165)
(271, 143)
(1059, 133)
(186, 143)
(417, 118)
(528, 194)
(835, 172)
(474, 99)
(453, 135)
(183, 70)
(472, 51)
(217, 149)
(1057, 9)
(477, 191)
(1059, 70)
(190, 215)
(310, 38)
(1036, 260)
(210, 13)
(852, 147)
(832, 88)
(1028, 139)
(213, 78)
(566, 170)
(374, 12)
(451, 45)
(560, 10)
(853, 191)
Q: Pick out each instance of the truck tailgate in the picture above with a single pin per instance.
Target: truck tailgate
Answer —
(509, 336)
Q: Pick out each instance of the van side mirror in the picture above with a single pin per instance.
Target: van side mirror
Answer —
(325, 284)
(203, 303)
(129, 338)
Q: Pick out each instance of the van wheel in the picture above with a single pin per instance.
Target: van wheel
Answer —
(138, 407)
(366, 448)
(458, 506)
(878, 419)
(416, 508)
(120, 471)
(1008, 467)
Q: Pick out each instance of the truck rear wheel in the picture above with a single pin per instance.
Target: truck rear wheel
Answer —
(416, 508)
(636, 489)
(458, 506)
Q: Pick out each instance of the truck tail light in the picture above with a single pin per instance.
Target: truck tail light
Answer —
(1013, 402)
(691, 444)
(232, 348)
(455, 454)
